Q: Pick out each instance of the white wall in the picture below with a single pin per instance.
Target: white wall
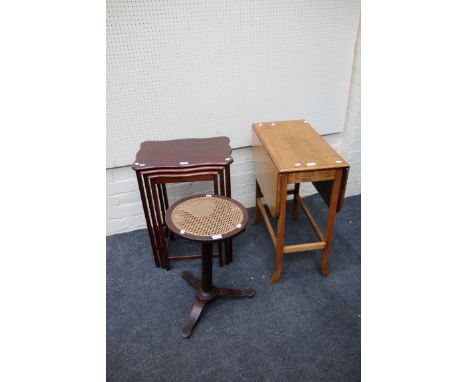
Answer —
(124, 209)
(350, 145)
(219, 65)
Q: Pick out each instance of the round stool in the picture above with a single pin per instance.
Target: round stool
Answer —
(206, 219)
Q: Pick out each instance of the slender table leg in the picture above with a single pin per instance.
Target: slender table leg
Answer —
(166, 203)
(161, 203)
(228, 180)
(331, 221)
(164, 207)
(295, 201)
(156, 236)
(280, 231)
(258, 194)
(148, 219)
(160, 226)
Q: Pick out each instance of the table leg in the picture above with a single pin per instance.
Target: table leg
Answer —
(159, 225)
(161, 204)
(166, 200)
(280, 230)
(331, 220)
(149, 225)
(166, 203)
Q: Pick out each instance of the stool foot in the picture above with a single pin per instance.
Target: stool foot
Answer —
(275, 277)
(192, 318)
(204, 297)
(195, 282)
(227, 292)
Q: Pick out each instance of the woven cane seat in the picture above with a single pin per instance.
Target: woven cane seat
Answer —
(206, 216)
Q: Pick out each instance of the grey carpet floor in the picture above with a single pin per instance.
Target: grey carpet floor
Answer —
(305, 328)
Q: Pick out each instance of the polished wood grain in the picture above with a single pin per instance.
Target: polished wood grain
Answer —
(292, 142)
(193, 151)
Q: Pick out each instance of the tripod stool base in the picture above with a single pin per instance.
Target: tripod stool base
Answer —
(204, 297)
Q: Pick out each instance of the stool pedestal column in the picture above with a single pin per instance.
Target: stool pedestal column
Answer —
(205, 290)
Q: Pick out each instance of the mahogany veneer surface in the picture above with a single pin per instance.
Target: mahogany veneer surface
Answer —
(196, 151)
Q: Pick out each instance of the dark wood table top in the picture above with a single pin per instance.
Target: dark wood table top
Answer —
(183, 153)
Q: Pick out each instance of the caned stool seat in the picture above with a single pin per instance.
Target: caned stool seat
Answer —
(206, 219)
(202, 217)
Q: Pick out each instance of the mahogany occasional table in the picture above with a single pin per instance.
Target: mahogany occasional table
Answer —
(207, 219)
(183, 160)
(292, 152)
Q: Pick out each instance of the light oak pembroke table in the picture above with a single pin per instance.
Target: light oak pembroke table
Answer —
(292, 152)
